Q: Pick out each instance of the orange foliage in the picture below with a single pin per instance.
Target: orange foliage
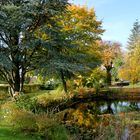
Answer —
(110, 50)
(131, 69)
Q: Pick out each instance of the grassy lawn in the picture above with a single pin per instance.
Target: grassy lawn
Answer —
(7, 133)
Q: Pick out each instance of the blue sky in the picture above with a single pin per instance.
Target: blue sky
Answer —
(118, 17)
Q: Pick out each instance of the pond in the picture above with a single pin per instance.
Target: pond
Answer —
(115, 107)
(110, 119)
(110, 106)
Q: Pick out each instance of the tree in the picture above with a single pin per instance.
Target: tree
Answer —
(130, 70)
(110, 51)
(76, 43)
(21, 49)
(117, 64)
(134, 38)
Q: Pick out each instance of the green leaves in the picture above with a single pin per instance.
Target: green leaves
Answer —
(21, 48)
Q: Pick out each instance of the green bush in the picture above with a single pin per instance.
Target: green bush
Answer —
(27, 103)
(97, 79)
(57, 132)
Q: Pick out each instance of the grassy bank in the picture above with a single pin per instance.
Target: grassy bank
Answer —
(25, 119)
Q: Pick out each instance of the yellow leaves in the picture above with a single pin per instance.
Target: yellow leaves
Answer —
(80, 11)
(67, 28)
(78, 116)
(41, 35)
(110, 50)
(44, 36)
(124, 74)
(131, 69)
(80, 17)
(107, 55)
(83, 119)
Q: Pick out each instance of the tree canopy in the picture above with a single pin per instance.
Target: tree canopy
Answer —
(76, 42)
(130, 69)
(134, 38)
(20, 47)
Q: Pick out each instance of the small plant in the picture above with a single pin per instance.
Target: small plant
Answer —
(96, 80)
(57, 132)
(27, 103)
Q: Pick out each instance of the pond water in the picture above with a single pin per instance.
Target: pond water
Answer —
(120, 106)
(109, 107)
(101, 109)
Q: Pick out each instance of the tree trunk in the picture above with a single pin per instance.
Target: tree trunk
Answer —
(17, 85)
(17, 81)
(63, 81)
(109, 77)
(22, 80)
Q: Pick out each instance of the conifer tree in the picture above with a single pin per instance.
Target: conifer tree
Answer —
(134, 38)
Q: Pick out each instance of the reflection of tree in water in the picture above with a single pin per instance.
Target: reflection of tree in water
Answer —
(109, 109)
(134, 106)
(127, 106)
(95, 115)
(121, 106)
(90, 107)
(95, 107)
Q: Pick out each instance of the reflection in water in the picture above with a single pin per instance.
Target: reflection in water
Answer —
(109, 107)
(94, 118)
(120, 106)
(125, 134)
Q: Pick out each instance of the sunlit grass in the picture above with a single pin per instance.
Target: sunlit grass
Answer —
(51, 95)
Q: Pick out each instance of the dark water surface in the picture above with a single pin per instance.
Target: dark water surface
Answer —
(109, 107)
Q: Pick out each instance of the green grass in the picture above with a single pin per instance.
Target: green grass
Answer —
(7, 133)
(48, 94)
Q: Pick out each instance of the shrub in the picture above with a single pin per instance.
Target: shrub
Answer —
(27, 103)
(57, 132)
(97, 79)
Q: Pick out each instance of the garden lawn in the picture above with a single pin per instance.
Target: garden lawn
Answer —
(7, 133)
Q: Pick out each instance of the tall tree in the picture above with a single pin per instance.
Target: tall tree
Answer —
(21, 49)
(134, 38)
(131, 67)
(130, 70)
(110, 51)
(76, 43)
